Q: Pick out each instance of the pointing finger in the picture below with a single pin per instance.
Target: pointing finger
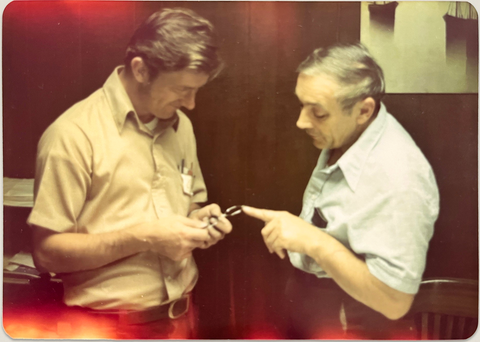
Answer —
(261, 214)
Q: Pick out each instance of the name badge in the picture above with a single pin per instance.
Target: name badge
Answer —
(187, 181)
(187, 178)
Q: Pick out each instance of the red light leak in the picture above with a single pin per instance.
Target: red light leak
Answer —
(30, 323)
(266, 332)
(50, 323)
(263, 331)
(57, 322)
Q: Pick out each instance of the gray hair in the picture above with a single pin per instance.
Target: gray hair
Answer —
(352, 66)
(175, 39)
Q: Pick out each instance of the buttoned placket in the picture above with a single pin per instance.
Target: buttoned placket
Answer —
(159, 179)
(158, 193)
(315, 190)
(314, 193)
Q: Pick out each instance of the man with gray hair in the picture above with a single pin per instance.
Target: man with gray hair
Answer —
(368, 210)
(118, 186)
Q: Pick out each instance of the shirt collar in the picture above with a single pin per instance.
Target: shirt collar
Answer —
(171, 122)
(122, 106)
(353, 160)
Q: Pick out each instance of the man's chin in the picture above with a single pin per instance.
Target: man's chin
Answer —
(166, 115)
(319, 144)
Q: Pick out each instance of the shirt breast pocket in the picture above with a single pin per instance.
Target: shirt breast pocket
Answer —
(318, 220)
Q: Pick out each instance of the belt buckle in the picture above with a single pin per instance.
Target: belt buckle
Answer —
(185, 299)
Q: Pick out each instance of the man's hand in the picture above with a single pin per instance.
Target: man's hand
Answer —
(284, 231)
(176, 236)
(173, 236)
(217, 229)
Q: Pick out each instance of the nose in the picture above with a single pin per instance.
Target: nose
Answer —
(303, 121)
(189, 100)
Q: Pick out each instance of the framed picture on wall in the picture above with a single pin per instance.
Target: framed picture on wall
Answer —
(423, 46)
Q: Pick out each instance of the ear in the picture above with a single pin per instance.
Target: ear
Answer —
(367, 107)
(139, 70)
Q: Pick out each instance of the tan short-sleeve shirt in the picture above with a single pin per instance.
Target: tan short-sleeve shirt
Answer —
(100, 169)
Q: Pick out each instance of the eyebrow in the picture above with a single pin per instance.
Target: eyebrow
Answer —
(308, 103)
(313, 104)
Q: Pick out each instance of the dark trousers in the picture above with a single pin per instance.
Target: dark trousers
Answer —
(312, 307)
(313, 310)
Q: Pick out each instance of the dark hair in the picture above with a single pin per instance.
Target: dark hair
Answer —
(353, 67)
(172, 40)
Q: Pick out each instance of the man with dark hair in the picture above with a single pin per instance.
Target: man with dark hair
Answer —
(369, 208)
(174, 40)
(118, 183)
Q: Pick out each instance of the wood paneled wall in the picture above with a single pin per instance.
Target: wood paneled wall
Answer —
(57, 53)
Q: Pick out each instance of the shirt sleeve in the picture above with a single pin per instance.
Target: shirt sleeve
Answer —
(62, 177)
(393, 234)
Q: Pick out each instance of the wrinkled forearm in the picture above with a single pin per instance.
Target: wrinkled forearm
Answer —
(72, 252)
(353, 276)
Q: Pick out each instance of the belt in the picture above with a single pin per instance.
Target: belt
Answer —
(172, 310)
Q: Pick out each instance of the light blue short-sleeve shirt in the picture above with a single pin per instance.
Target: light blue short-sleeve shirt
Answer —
(380, 200)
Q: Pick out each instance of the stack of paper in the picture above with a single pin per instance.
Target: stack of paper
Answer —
(17, 192)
